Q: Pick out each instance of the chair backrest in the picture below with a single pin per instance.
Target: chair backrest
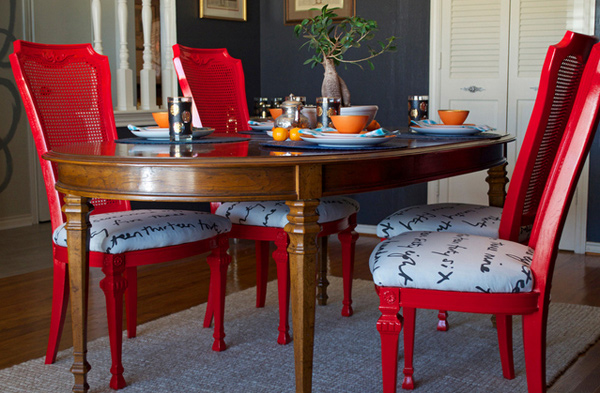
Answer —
(558, 87)
(215, 81)
(66, 92)
(565, 172)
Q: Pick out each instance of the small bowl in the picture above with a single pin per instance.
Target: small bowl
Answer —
(370, 110)
(275, 112)
(453, 117)
(349, 124)
(161, 119)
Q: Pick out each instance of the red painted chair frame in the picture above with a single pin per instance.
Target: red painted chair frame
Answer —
(216, 83)
(119, 269)
(189, 64)
(540, 144)
(263, 236)
(547, 229)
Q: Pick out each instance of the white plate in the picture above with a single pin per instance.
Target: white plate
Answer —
(157, 133)
(446, 130)
(345, 142)
(263, 126)
(337, 135)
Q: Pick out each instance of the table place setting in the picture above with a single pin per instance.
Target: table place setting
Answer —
(261, 125)
(159, 133)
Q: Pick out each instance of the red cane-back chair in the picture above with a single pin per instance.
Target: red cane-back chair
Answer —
(469, 273)
(66, 91)
(215, 81)
(559, 81)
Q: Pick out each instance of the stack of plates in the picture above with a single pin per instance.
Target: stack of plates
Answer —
(157, 133)
(430, 127)
(335, 139)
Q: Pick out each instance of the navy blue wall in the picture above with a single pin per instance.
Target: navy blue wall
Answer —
(273, 67)
(242, 39)
(396, 75)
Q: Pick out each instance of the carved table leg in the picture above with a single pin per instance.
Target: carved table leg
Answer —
(77, 209)
(497, 181)
(322, 282)
(302, 230)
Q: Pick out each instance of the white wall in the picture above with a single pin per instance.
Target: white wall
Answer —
(48, 22)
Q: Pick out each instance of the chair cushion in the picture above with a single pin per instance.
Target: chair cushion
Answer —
(453, 217)
(448, 261)
(274, 213)
(119, 232)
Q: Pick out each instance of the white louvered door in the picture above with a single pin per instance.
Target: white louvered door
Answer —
(474, 71)
(487, 57)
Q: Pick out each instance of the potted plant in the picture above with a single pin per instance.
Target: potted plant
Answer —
(330, 42)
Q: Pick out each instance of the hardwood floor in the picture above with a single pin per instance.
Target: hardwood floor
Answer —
(26, 293)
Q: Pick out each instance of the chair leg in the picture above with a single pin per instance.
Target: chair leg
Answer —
(534, 343)
(210, 310)
(60, 299)
(262, 271)
(219, 260)
(389, 326)
(505, 342)
(114, 284)
(348, 239)
(409, 347)
(283, 286)
(131, 301)
(442, 325)
(322, 282)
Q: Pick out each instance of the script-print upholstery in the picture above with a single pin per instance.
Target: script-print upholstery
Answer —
(274, 213)
(119, 232)
(446, 217)
(452, 262)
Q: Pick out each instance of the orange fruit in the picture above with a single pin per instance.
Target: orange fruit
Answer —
(295, 134)
(373, 126)
(280, 134)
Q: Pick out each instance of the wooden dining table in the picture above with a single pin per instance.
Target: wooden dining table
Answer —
(245, 168)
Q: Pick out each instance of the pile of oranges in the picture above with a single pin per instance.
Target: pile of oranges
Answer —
(281, 134)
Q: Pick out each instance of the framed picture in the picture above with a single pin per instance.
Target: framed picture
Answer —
(297, 10)
(223, 9)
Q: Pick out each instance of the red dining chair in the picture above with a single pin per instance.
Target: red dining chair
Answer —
(559, 81)
(477, 274)
(66, 91)
(215, 81)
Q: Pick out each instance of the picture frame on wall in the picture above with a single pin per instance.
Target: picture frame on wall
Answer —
(297, 10)
(223, 9)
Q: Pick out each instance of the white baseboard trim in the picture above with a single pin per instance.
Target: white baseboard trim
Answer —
(16, 222)
(592, 247)
(366, 229)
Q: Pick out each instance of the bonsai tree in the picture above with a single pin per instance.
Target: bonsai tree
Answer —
(331, 41)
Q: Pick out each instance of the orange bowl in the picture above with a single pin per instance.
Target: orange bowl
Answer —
(453, 117)
(161, 119)
(349, 124)
(275, 112)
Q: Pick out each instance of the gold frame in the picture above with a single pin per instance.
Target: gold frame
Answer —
(293, 15)
(224, 13)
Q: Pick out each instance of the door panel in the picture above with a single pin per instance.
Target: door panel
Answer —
(487, 57)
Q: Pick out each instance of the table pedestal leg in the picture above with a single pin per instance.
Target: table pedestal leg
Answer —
(77, 210)
(497, 181)
(303, 230)
(322, 282)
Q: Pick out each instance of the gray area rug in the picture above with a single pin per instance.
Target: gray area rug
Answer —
(173, 354)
